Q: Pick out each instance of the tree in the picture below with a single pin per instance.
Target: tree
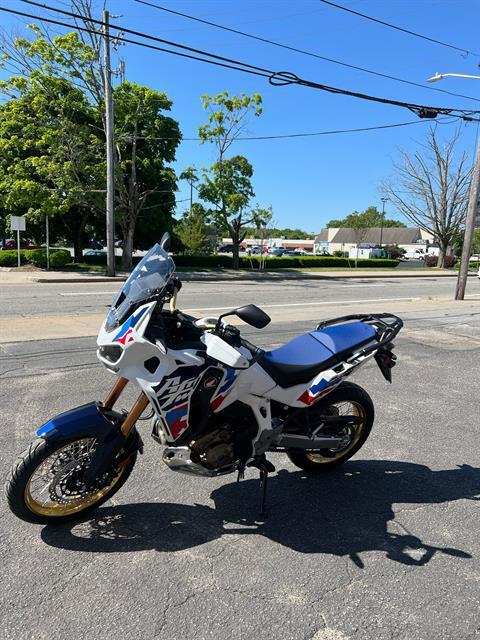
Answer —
(190, 175)
(430, 188)
(193, 231)
(141, 173)
(371, 215)
(146, 140)
(227, 184)
(360, 223)
(51, 157)
(227, 187)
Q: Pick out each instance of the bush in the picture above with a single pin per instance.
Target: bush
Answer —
(38, 257)
(432, 261)
(8, 258)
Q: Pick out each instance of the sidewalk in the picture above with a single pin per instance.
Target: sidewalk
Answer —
(56, 277)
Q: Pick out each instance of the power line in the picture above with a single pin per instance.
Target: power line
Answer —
(302, 51)
(276, 78)
(308, 134)
(394, 26)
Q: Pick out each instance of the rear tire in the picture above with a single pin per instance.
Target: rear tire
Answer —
(347, 393)
(26, 507)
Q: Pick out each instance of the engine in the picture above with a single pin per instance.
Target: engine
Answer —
(215, 449)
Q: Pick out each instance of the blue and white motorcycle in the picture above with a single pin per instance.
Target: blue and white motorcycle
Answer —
(219, 404)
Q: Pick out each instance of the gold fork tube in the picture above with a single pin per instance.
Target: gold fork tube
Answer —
(135, 412)
(115, 393)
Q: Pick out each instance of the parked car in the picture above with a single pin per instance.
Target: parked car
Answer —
(224, 248)
(276, 251)
(95, 252)
(25, 243)
(94, 243)
(290, 252)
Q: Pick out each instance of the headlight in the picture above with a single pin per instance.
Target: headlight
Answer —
(112, 353)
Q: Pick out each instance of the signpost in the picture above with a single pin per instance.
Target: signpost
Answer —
(17, 223)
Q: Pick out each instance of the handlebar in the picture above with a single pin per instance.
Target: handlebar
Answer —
(256, 352)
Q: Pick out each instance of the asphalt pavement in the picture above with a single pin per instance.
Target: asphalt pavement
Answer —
(387, 547)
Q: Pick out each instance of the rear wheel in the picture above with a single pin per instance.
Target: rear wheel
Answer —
(348, 399)
(46, 486)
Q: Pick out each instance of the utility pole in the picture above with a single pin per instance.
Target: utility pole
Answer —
(469, 228)
(384, 199)
(107, 80)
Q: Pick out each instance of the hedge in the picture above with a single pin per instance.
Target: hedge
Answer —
(294, 262)
(38, 257)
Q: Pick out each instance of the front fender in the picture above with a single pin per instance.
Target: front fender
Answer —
(93, 421)
(88, 420)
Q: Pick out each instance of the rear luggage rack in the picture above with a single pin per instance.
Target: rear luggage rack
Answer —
(386, 325)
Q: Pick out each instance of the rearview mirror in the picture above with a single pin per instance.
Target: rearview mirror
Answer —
(253, 316)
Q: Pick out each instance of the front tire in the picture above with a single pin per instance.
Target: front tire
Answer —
(55, 465)
(347, 398)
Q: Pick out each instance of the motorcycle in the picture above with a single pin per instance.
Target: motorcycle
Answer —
(218, 403)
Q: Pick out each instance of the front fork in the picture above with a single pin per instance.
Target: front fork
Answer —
(141, 403)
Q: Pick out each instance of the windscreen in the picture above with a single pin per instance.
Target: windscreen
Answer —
(148, 278)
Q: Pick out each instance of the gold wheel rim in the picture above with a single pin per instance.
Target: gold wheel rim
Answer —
(49, 508)
(345, 408)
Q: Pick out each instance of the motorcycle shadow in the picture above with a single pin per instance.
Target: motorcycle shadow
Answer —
(342, 513)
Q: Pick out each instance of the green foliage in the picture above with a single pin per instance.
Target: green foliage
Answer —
(193, 231)
(51, 157)
(147, 141)
(227, 117)
(8, 258)
(371, 217)
(394, 251)
(38, 257)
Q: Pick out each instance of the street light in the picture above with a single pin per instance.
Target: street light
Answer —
(384, 200)
(440, 76)
(472, 202)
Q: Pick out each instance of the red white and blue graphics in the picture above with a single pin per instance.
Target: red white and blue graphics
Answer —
(175, 395)
(126, 332)
(318, 390)
(225, 389)
(174, 400)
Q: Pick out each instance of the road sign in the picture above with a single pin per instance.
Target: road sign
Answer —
(17, 223)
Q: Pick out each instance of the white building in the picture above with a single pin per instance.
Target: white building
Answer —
(345, 239)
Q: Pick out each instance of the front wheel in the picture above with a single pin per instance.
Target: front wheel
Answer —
(348, 399)
(45, 485)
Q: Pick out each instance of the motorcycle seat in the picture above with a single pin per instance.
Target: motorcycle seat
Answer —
(304, 357)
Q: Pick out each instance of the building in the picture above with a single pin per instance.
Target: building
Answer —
(345, 238)
(307, 245)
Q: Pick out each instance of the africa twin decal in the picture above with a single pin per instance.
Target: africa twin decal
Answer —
(174, 400)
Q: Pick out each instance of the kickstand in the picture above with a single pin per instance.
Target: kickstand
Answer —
(263, 487)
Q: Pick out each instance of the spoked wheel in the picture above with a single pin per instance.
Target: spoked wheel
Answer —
(347, 400)
(46, 483)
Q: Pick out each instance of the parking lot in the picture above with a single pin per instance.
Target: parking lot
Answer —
(386, 547)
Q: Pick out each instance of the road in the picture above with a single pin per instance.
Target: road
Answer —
(49, 299)
(385, 548)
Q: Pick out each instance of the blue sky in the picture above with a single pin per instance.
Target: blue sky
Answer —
(307, 181)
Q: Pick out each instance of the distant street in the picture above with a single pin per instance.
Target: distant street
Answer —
(50, 299)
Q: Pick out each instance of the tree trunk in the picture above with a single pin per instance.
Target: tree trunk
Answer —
(127, 250)
(442, 250)
(236, 253)
(78, 240)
